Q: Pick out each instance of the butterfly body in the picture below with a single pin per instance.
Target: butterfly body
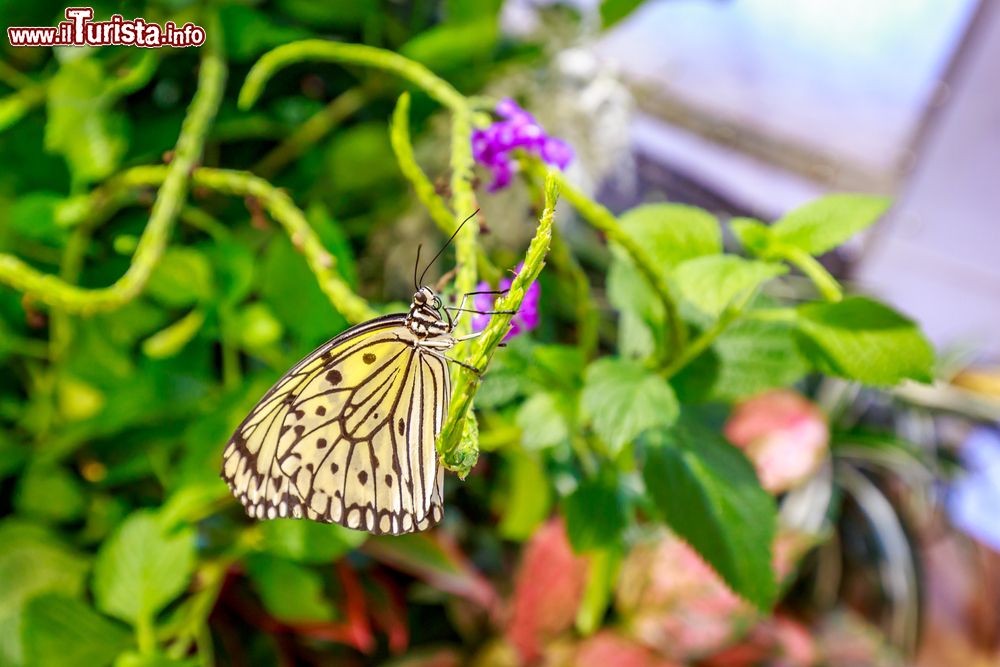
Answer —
(347, 435)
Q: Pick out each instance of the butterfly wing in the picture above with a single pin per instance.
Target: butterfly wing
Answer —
(347, 436)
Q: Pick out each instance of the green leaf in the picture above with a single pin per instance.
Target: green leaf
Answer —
(525, 498)
(464, 11)
(140, 568)
(181, 278)
(309, 541)
(754, 235)
(169, 341)
(82, 127)
(248, 32)
(291, 592)
(544, 420)
(623, 398)
(50, 492)
(712, 282)
(62, 631)
(595, 513)
(864, 340)
(452, 45)
(33, 216)
(32, 561)
(708, 493)
(360, 159)
(749, 357)
(134, 659)
(602, 575)
(829, 221)
(613, 11)
(672, 233)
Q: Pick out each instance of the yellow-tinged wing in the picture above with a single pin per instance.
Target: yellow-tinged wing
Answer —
(347, 436)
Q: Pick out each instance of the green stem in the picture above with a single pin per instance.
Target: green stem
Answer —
(309, 133)
(348, 54)
(602, 219)
(137, 76)
(15, 106)
(170, 199)
(452, 455)
(810, 266)
(586, 310)
(402, 146)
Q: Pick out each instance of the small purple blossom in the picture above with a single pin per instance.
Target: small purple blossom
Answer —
(526, 317)
(492, 146)
(974, 501)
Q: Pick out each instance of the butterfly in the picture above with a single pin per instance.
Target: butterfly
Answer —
(347, 435)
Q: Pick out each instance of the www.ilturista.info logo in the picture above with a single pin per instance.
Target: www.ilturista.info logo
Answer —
(79, 29)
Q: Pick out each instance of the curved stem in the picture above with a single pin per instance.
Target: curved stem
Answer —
(52, 291)
(816, 272)
(348, 54)
(602, 219)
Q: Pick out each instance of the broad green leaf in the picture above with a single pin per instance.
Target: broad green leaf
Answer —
(291, 592)
(463, 11)
(451, 45)
(32, 561)
(613, 11)
(309, 541)
(824, 224)
(168, 342)
(249, 32)
(141, 568)
(595, 513)
(33, 216)
(707, 492)
(711, 283)
(289, 288)
(623, 398)
(672, 233)
(82, 126)
(182, 277)
(544, 420)
(62, 631)
(602, 575)
(749, 357)
(51, 493)
(754, 235)
(861, 339)
(526, 498)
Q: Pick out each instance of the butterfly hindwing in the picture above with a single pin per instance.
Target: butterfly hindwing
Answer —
(347, 436)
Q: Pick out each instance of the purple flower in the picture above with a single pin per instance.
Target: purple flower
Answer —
(526, 317)
(974, 501)
(492, 146)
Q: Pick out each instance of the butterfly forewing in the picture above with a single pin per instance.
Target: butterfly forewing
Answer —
(347, 436)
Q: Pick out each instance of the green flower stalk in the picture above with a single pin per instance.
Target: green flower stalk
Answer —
(457, 447)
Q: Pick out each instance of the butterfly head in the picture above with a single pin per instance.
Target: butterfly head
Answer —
(426, 316)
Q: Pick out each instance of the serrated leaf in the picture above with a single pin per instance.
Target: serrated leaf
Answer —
(32, 561)
(595, 514)
(672, 233)
(623, 398)
(309, 541)
(824, 224)
(141, 568)
(291, 592)
(544, 421)
(711, 283)
(749, 357)
(62, 631)
(861, 339)
(707, 492)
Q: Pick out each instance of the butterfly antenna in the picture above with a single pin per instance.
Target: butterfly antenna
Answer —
(446, 244)
(416, 265)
